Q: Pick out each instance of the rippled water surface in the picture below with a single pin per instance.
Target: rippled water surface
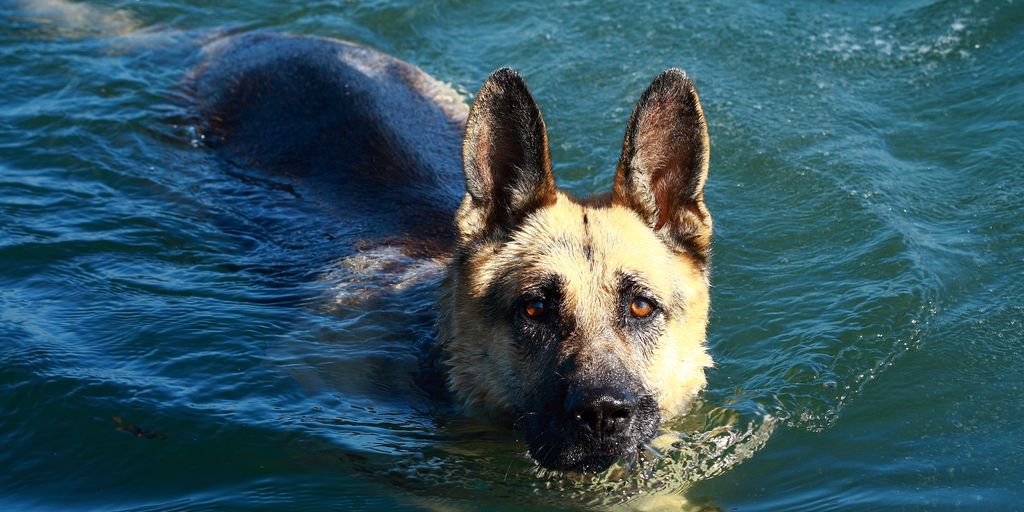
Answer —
(179, 335)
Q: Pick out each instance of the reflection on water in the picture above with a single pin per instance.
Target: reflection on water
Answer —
(866, 322)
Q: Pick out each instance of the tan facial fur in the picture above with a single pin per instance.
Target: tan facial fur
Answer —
(539, 313)
(486, 371)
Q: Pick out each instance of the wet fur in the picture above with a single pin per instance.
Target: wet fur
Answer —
(518, 234)
(485, 277)
(373, 133)
(354, 129)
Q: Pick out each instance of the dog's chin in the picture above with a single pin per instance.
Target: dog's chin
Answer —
(581, 456)
(556, 447)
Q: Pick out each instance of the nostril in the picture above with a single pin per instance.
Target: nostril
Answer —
(592, 423)
(615, 419)
(588, 419)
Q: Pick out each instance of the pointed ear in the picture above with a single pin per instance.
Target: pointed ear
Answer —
(664, 164)
(505, 157)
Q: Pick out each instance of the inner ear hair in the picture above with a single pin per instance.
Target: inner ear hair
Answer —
(505, 156)
(664, 164)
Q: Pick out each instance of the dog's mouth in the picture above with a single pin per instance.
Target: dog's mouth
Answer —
(584, 457)
(591, 441)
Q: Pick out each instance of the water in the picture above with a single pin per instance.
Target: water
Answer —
(177, 336)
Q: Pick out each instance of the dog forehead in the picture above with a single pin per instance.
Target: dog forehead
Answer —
(586, 244)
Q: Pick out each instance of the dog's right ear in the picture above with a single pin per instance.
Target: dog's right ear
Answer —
(505, 158)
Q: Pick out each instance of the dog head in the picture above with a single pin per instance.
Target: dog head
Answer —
(584, 320)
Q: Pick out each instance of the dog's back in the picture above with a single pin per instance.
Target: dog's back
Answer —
(362, 130)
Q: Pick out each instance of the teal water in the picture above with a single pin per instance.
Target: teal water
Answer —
(178, 337)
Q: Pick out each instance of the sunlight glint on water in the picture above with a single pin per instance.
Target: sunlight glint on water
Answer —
(866, 186)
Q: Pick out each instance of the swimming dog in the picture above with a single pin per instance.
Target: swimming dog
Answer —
(582, 320)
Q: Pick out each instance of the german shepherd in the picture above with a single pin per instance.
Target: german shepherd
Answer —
(582, 320)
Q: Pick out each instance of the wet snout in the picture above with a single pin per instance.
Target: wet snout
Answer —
(593, 415)
(601, 412)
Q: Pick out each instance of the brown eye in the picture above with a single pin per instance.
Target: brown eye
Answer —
(641, 307)
(535, 309)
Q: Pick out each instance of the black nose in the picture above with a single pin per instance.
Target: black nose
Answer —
(603, 412)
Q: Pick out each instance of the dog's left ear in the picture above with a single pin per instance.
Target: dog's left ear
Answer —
(664, 164)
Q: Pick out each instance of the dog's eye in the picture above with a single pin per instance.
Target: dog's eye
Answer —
(641, 307)
(535, 309)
